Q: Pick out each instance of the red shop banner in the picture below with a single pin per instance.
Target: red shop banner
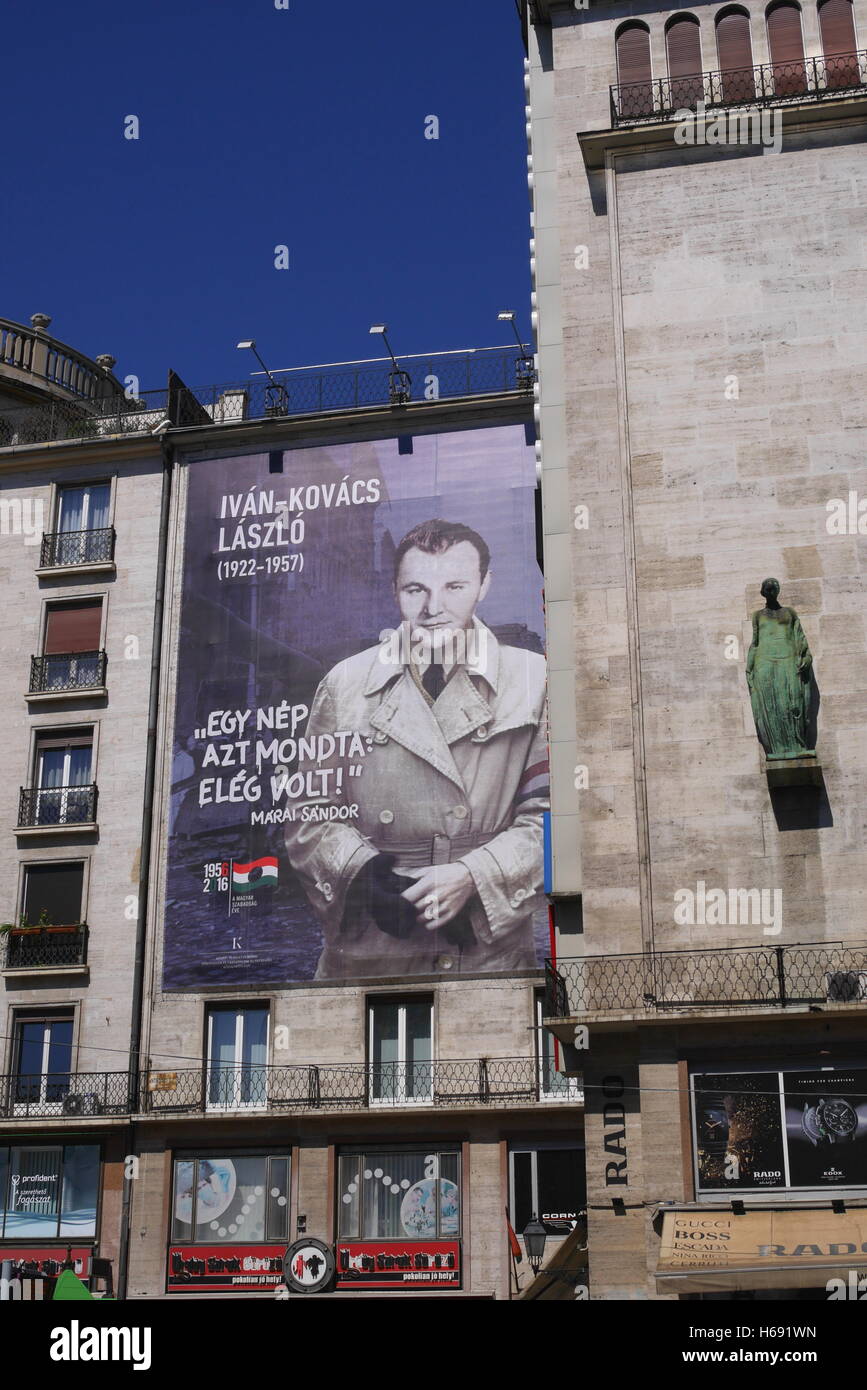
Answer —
(224, 1268)
(46, 1261)
(412, 1264)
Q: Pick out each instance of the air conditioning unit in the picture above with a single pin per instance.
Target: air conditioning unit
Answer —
(81, 1104)
(846, 986)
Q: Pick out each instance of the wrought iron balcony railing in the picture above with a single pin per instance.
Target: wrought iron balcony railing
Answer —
(67, 673)
(770, 976)
(771, 84)
(512, 1081)
(484, 1082)
(61, 548)
(67, 1095)
(301, 391)
(46, 948)
(57, 806)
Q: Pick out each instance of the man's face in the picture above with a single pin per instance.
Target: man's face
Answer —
(440, 592)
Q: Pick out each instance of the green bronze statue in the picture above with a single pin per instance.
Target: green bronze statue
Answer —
(778, 675)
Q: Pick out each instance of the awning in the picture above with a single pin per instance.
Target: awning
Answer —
(710, 1251)
(565, 1269)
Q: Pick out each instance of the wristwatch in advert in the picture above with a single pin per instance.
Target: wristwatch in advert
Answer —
(829, 1120)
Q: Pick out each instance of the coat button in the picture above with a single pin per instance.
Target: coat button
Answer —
(481, 733)
(460, 812)
(386, 817)
(443, 962)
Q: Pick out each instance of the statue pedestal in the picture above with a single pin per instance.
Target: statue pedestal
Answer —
(793, 772)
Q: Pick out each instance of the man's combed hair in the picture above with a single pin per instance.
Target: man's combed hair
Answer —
(436, 536)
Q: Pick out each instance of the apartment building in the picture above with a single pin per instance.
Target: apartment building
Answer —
(250, 760)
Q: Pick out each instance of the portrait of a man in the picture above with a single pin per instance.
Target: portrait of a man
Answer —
(437, 867)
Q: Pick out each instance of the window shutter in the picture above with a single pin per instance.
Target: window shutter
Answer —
(837, 26)
(734, 49)
(73, 627)
(841, 67)
(683, 46)
(784, 35)
(633, 55)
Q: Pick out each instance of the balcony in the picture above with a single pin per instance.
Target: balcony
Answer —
(66, 674)
(77, 550)
(64, 809)
(486, 1083)
(348, 386)
(666, 982)
(66, 1095)
(46, 948)
(772, 84)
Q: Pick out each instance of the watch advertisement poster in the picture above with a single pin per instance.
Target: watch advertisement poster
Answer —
(739, 1131)
(801, 1129)
(826, 1127)
(359, 774)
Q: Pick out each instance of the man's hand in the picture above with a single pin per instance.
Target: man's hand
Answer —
(439, 893)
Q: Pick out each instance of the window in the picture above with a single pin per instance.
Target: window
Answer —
(53, 894)
(735, 56)
(547, 1181)
(83, 524)
(553, 1085)
(242, 1199)
(632, 45)
(237, 1056)
(401, 1033)
(683, 51)
(837, 26)
(49, 1191)
(71, 658)
(786, 46)
(42, 1060)
(64, 791)
(399, 1194)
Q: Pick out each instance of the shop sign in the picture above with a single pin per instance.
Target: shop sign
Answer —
(425, 1264)
(224, 1268)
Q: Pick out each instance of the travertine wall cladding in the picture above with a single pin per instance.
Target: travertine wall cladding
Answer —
(744, 377)
(713, 369)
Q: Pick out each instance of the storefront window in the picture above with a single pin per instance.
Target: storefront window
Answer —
(400, 1194)
(49, 1191)
(242, 1200)
(548, 1182)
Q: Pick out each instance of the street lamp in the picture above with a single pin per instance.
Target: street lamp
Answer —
(525, 367)
(535, 1237)
(399, 381)
(276, 395)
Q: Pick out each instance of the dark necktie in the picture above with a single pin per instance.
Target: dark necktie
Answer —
(434, 679)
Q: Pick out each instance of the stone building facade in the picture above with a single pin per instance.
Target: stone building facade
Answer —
(700, 316)
(115, 1108)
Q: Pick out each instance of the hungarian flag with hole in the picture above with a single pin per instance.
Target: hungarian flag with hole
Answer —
(260, 873)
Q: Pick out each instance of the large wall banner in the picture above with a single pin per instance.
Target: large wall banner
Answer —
(360, 764)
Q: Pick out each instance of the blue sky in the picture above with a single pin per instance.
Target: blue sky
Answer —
(261, 127)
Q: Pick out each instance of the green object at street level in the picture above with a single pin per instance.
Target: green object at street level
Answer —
(779, 667)
(69, 1289)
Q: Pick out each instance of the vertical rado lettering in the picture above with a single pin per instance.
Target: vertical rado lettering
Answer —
(614, 1128)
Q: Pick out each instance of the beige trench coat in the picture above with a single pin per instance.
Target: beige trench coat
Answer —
(464, 780)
